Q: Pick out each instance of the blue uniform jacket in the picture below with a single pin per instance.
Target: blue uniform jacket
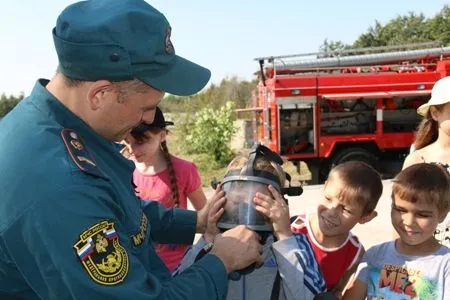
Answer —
(71, 226)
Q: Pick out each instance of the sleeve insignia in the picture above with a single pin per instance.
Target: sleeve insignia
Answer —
(139, 237)
(100, 253)
(79, 153)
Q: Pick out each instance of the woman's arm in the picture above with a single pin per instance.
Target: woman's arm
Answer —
(197, 198)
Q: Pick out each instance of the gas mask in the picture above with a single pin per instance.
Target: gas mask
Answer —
(240, 187)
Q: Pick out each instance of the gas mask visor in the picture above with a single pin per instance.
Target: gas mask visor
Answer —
(240, 187)
(240, 190)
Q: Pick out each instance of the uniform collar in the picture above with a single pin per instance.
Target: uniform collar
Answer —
(54, 109)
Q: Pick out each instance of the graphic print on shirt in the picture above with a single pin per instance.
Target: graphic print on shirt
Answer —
(400, 282)
(442, 233)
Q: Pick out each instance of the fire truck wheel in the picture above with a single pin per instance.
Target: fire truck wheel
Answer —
(354, 153)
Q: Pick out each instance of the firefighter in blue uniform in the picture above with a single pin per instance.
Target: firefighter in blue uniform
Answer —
(70, 224)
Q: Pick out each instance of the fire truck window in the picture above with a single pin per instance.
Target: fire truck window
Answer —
(352, 116)
(296, 130)
(400, 114)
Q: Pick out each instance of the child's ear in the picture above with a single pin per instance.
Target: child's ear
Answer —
(163, 136)
(368, 218)
(442, 217)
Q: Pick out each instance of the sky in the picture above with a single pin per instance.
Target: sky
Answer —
(224, 36)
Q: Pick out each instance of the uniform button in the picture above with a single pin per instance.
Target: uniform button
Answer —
(114, 57)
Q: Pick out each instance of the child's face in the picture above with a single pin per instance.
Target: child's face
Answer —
(336, 215)
(414, 222)
(144, 150)
(442, 116)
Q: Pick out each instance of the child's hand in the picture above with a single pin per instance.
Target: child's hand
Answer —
(215, 211)
(276, 210)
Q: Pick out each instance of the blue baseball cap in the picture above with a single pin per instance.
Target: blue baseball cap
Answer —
(121, 40)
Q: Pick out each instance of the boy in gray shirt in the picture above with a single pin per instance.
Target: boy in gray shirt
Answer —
(414, 266)
(289, 270)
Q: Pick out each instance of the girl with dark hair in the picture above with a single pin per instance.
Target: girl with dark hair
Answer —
(432, 143)
(163, 177)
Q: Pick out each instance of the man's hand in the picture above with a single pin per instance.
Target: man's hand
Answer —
(216, 210)
(237, 248)
(202, 214)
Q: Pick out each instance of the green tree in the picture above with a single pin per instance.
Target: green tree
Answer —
(438, 27)
(407, 29)
(7, 103)
(211, 132)
(330, 46)
(215, 96)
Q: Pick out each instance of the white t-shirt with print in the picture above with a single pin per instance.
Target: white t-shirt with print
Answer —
(391, 275)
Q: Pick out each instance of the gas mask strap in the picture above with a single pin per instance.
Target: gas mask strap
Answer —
(248, 168)
(257, 151)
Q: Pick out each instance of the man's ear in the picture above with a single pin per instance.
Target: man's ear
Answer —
(368, 218)
(98, 92)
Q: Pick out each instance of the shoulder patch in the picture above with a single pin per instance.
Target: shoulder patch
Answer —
(100, 253)
(79, 153)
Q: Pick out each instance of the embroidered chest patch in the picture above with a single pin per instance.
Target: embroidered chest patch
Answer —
(100, 253)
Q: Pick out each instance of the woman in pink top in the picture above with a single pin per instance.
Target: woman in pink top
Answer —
(163, 177)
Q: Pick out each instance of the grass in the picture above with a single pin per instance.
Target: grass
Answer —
(209, 169)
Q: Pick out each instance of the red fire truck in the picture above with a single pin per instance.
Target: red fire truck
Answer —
(357, 104)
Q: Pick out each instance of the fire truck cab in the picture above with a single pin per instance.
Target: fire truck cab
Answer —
(357, 104)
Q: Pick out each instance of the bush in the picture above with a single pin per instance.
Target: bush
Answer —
(210, 132)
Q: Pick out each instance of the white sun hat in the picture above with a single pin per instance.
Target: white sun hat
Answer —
(440, 94)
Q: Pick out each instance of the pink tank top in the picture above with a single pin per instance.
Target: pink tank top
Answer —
(158, 187)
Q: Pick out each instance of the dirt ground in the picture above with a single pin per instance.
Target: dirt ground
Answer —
(376, 231)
